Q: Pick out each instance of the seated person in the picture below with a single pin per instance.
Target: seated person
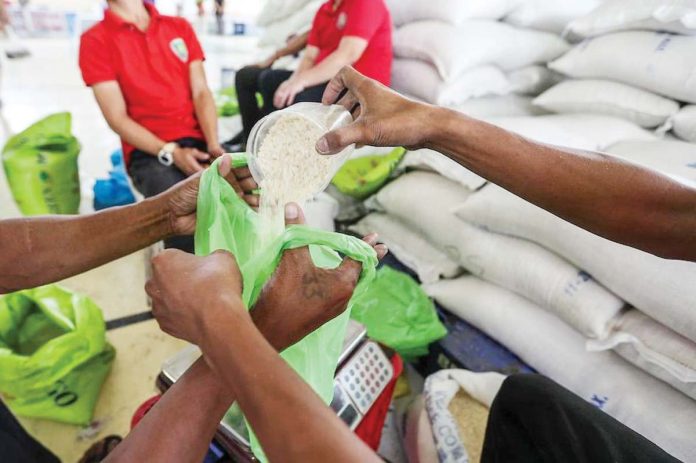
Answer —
(344, 32)
(146, 72)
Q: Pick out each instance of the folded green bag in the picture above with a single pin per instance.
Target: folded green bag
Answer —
(225, 221)
(53, 354)
(397, 312)
(41, 167)
(360, 177)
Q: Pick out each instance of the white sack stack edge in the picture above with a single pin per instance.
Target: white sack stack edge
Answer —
(657, 62)
(654, 348)
(641, 402)
(549, 15)
(684, 123)
(428, 262)
(597, 96)
(674, 158)
(663, 289)
(519, 265)
(456, 49)
(450, 11)
(420, 79)
(592, 132)
(677, 16)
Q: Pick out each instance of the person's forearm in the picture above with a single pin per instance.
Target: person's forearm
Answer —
(612, 198)
(274, 398)
(305, 64)
(294, 45)
(138, 136)
(200, 396)
(325, 70)
(206, 113)
(42, 250)
(182, 424)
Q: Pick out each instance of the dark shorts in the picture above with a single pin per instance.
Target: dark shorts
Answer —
(151, 177)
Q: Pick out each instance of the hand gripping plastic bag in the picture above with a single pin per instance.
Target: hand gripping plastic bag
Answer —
(53, 354)
(225, 221)
(397, 312)
(41, 167)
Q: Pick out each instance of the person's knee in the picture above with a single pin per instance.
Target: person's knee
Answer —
(247, 77)
(268, 81)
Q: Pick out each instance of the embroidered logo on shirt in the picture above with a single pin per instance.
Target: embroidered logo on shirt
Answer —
(342, 20)
(179, 48)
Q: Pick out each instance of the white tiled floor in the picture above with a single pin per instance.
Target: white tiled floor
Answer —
(47, 82)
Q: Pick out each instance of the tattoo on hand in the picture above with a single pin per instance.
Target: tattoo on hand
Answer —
(311, 287)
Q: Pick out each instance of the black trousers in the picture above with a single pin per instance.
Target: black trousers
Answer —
(533, 419)
(16, 445)
(150, 177)
(252, 79)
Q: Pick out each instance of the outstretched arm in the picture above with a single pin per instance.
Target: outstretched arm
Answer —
(615, 199)
(41, 250)
(248, 366)
(283, 314)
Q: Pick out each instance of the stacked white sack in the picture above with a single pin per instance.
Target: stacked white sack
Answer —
(453, 50)
(638, 400)
(281, 19)
(676, 16)
(663, 289)
(425, 201)
(654, 348)
(675, 158)
(626, 68)
(427, 261)
(580, 131)
(549, 15)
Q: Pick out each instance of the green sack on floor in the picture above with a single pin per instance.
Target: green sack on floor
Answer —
(397, 312)
(41, 167)
(225, 221)
(53, 354)
(361, 177)
(228, 104)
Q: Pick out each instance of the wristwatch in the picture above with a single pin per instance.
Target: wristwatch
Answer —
(166, 154)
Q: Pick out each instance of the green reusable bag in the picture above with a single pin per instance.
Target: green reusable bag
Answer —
(225, 221)
(41, 167)
(397, 312)
(360, 177)
(53, 354)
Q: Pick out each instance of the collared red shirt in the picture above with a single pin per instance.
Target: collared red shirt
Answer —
(152, 69)
(367, 19)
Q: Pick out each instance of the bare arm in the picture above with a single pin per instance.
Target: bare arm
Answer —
(615, 199)
(293, 46)
(37, 251)
(204, 104)
(113, 105)
(349, 50)
(308, 74)
(41, 250)
(255, 372)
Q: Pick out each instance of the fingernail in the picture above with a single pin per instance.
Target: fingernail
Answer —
(322, 146)
(291, 211)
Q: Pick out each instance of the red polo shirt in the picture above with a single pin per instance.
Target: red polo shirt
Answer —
(367, 19)
(152, 69)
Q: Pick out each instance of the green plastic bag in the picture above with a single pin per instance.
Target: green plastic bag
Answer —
(225, 221)
(41, 167)
(228, 104)
(365, 175)
(53, 354)
(397, 312)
